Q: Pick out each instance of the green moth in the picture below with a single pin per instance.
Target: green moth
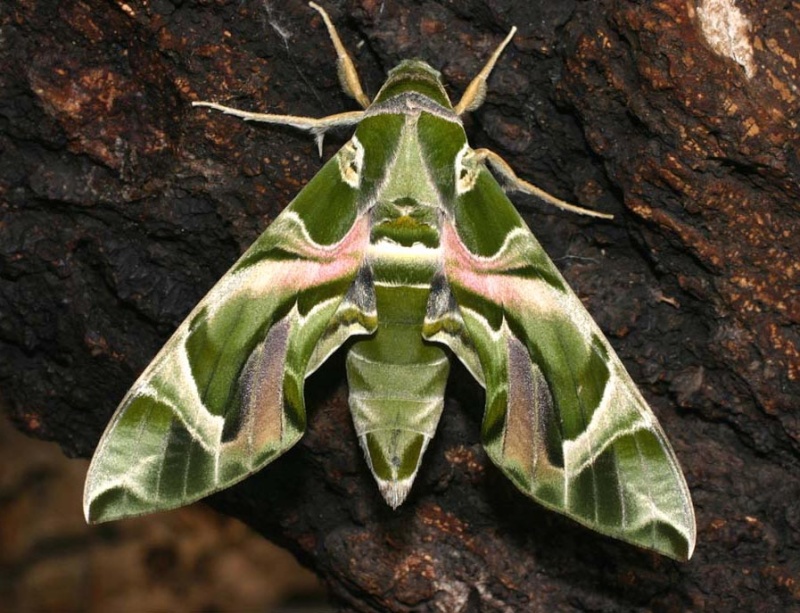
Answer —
(405, 244)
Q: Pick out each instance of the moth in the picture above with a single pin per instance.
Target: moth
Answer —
(405, 246)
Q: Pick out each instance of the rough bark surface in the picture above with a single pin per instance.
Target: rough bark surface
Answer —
(120, 206)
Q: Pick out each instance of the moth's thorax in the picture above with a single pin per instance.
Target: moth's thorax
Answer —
(406, 214)
(410, 180)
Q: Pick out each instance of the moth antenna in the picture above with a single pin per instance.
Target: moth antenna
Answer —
(476, 91)
(348, 75)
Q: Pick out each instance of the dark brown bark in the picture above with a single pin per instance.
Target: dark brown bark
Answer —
(121, 205)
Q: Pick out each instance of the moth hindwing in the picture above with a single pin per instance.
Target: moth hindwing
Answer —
(405, 242)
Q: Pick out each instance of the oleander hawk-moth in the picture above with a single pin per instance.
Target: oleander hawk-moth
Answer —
(405, 244)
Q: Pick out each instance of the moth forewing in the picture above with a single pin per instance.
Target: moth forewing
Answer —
(406, 243)
(224, 397)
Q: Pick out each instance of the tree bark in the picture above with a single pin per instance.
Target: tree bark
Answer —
(121, 206)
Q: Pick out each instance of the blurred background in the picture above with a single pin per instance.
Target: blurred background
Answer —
(191, 559)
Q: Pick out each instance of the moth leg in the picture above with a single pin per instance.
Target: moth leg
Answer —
(476, 91)
(317, 126)
(348, 75)
(510, 178)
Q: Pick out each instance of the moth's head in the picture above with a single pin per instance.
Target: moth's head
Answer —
(414, 76)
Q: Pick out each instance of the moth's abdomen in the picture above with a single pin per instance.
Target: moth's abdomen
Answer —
(396, 382)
